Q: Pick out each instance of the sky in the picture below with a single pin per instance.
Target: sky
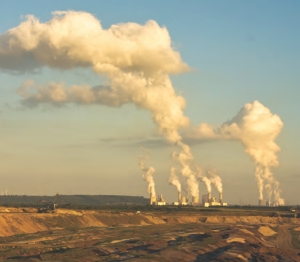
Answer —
(237, 52)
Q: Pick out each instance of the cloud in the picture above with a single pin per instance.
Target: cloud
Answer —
(76, 39)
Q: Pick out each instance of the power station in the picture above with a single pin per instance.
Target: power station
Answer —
(208, 200)
(159, 201)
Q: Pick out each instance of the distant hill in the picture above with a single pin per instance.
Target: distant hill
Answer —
(81, 200)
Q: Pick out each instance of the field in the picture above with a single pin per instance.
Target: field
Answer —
(181, 235)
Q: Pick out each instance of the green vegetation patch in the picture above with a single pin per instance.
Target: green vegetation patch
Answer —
(295, 238)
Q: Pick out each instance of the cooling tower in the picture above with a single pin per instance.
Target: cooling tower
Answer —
(260, 202)
(179, 197)
(195, 200)
(183, 200)
(221, 198)
(209, 196)
(152, 197)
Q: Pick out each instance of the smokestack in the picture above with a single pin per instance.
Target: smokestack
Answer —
(260, 202)
(151, 195)
(221, 198)
(179, 198)
(153, 200)
(209, 196)
(195, 199)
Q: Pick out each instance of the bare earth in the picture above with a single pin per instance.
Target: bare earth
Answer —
(284, 239)
(119, 236)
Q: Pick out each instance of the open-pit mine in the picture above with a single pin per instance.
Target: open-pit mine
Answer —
(226, 234)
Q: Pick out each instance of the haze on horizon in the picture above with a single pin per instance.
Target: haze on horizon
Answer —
(73, 84)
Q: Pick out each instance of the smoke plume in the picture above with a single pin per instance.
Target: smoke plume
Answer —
(203, 179)
(257, 128)
(185, 158)
(215, 180)
(147, 173)
(173, 179)
(135, 59)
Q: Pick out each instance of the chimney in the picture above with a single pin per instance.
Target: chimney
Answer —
(195, 200)
(260, 202)
(209, 196)
(221, 198)
(151, 195)
(179, 198)
(153, 200)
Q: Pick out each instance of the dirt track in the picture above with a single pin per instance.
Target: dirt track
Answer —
(284, 239)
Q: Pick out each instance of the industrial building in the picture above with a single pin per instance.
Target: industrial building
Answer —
(208, 200)
(268, 203)
(181, 200)
(159, 201)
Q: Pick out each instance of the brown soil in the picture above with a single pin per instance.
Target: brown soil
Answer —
(19, 223)
(71, 235)
(266, 231)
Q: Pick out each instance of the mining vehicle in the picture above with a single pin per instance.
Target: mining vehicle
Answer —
(48, 207)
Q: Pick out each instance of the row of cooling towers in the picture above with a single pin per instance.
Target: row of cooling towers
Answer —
(207, 200)
(268, 203)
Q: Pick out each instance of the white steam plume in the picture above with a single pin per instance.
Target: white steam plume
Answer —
(184, 158)
(215, 180)
(136, 60)
(203, 179)
(173, 179)
(147, 173)
(257, 128)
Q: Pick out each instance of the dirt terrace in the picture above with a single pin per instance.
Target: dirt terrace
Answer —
(71, 235)
(21, 222)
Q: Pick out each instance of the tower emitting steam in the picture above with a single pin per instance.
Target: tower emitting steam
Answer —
(173, 180)
(204, 179)
(257, 128)
(184, 158)
(148, 176)
(215, 180)
(211, 178)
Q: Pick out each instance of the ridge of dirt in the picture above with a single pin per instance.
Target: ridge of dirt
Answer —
(22, 223)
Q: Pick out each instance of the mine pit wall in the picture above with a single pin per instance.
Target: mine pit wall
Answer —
(22, 223)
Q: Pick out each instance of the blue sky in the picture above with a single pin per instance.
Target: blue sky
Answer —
(239, 52)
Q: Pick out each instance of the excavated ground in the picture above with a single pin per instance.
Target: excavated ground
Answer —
(70, 235)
